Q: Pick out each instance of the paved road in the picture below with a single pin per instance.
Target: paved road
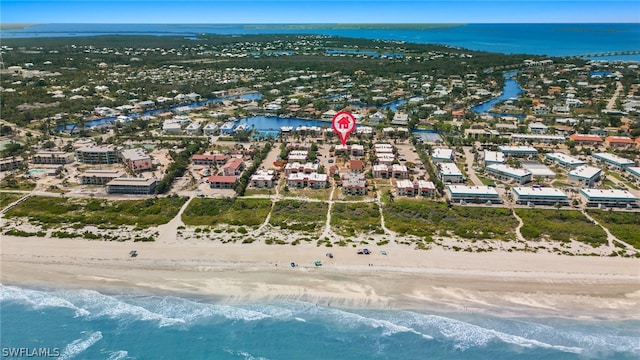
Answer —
(470, 172)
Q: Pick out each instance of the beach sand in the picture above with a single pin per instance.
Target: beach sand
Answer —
(499, 283)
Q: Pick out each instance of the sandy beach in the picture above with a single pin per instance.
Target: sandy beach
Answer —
(500, 283)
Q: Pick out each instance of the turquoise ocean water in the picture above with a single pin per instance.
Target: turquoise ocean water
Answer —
(85, 324)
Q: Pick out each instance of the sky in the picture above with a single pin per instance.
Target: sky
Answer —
(319, 11)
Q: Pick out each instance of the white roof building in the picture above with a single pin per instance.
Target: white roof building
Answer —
(564, 160)
(609, 198)
(613, 160)
(493, 157)
(540, 196)
(504, 172)
(442, 154)
(585, 175)
(472, 194)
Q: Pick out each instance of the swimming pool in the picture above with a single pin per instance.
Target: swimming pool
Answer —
(36, 172)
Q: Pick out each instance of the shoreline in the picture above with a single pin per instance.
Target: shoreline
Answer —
(499, 283)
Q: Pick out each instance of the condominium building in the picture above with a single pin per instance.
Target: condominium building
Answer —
(52, 158)
(472, 194)
(99, 176)
(97, 155)
(508, 173)
(540, 196)
(585, 175)
(134, 186)
(609, 198)
(449, 173)
(613, 161)
(136, 159)
(564, 160)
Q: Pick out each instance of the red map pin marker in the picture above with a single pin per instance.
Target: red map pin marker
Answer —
(343, 123)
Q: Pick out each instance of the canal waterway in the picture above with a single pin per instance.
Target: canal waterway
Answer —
(511, 90)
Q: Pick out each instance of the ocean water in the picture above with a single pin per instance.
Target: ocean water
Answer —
(85, 324)
(538, 39)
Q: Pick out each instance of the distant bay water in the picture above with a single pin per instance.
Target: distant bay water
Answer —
(536, 39)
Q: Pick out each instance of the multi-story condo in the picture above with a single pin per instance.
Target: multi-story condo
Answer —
(97, 155)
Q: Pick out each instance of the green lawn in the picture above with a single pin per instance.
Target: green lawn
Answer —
(299, 215)
(427, 218)
(232, 211)
(623, 225)
(350, 219)
(99, 212)
(560, 225)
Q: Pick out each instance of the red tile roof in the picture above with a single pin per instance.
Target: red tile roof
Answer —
(585, 137)
(233, 163)
(619, 140)
(356, 165)
(221, 179)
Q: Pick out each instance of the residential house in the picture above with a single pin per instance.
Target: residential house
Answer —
(233, 167)
(193, 128)
(400, 118)
(210, 129)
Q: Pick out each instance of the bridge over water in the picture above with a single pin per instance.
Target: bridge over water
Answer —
(609, 53)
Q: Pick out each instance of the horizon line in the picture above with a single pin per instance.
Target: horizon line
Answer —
(305, 23)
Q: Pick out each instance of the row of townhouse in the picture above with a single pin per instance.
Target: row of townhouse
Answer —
(11, 163)
(354, 184)
(296, 167)
(210, 159)
(313, 180)
(415, 188)
(396, 171)
(354, 150)
(609, 141)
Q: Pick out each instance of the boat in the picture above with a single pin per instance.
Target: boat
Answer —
(286, 128)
